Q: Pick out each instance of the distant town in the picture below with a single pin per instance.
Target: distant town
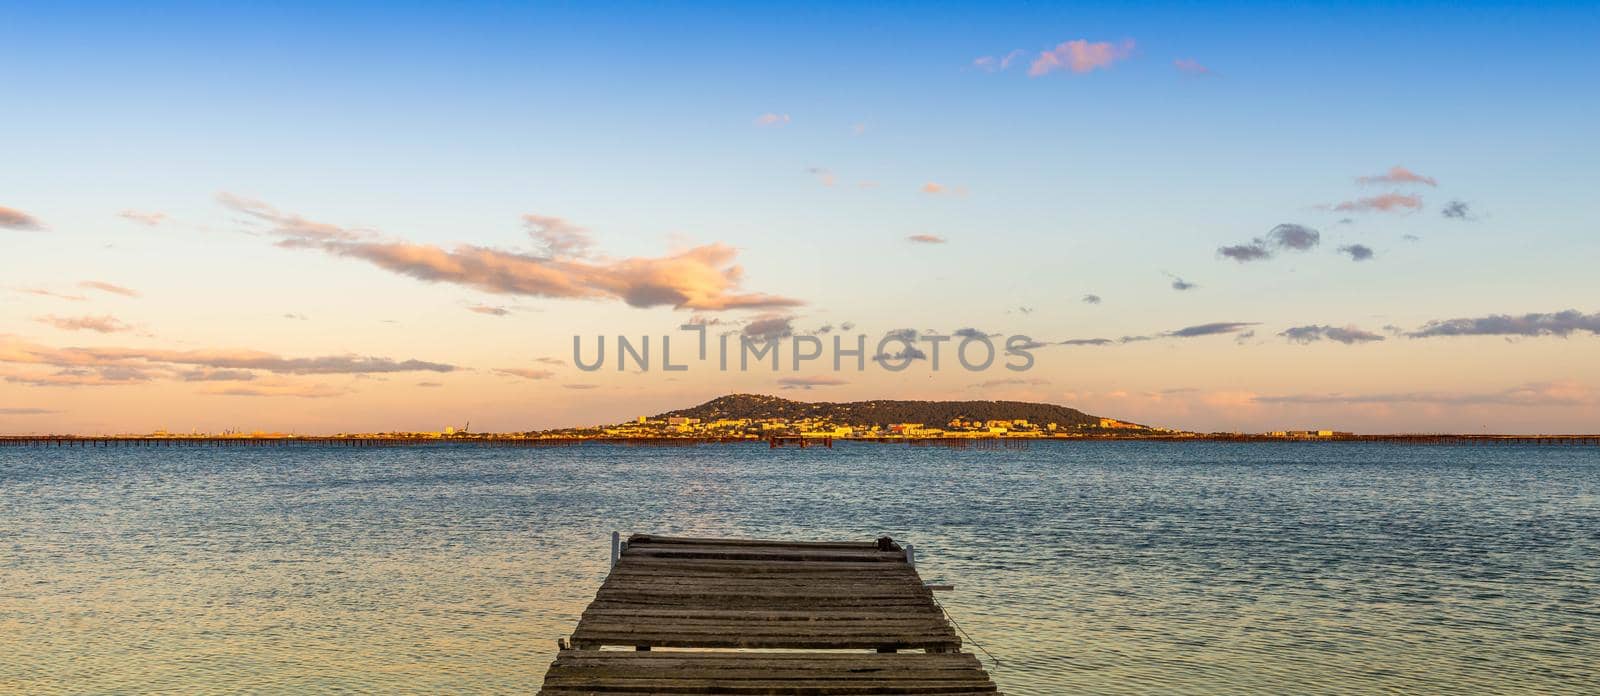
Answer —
(754, 417)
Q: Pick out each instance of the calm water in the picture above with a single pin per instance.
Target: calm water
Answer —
(1098, 568)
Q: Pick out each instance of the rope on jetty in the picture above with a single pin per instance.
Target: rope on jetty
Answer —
(970, 639)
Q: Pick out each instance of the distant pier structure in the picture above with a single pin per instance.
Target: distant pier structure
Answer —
(687, 610)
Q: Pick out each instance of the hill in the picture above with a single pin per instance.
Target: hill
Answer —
(881, 412)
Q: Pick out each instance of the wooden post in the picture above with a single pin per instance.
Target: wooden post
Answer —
(616, 548)
(911, 555)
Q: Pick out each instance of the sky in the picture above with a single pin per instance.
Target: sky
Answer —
(397, 216)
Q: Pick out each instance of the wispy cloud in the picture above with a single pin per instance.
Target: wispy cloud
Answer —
(143, 217)
(580, 385)
(1397, 175)
(1385, 203)
(1561, 324)
(937, 189)
(1190, 66)
(1456, 210)
(23, 411)
(1357, 252)
(1348, 335)
(773, 120)
(1211, 329)
(823, 176)
(1013, 382)
(701, 278)
(1565, 393)
(1216, 328)
(1091, 299)
(926, 239)
(108, 287)
(210, 375)
(559, 237)
(997, 63)
(1285, 237)
(526, 373)
(490, 310)
(907, 340)
(155, 362)
(100, 324)
(41, 292)
(1080, 56)
(767, 328)
(808, 383)
(81, 377)
(11, 218)
(299, 391)
(1180, 284)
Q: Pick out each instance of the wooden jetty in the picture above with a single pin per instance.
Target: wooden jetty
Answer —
(839, 612)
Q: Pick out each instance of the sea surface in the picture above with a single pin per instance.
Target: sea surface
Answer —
(1113, 568)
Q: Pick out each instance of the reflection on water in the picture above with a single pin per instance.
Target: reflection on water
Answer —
(1109, 568)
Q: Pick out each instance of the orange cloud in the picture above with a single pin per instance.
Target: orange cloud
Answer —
(1080, 56)
(80, 377)
(17, 220)
(1190, 66)
(938, 189)
(147, 218)
(773, 120)
(927, 239)
(702, 278)
(301, 391)
(526, 373)
(1388, 202)
(41, 292)
(108, 287)
(15, 350)
(101, 324)
(1398, 175)
(810, 382)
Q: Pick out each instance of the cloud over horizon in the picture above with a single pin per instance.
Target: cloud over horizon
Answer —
(808, 383)
(101, 324)
(1312, 333)
(110, 365)
(699, 278)
(1564, 393)
(1561, 324)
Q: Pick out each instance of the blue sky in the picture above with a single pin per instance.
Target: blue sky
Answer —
(445, 124)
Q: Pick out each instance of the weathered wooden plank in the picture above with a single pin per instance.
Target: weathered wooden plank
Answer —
(703, 541)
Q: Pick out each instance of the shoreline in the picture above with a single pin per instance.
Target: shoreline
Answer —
(774, 442)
